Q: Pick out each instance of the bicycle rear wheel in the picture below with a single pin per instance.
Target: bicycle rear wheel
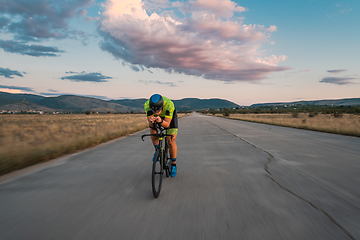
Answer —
(167, 160)
(157, 174)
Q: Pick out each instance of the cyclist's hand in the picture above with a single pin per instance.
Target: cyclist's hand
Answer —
(151, 119)
(158, 119)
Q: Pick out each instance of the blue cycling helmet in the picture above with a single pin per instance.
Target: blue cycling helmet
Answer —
(156, 102)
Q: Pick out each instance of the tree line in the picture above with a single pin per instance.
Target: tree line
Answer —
(295, 108)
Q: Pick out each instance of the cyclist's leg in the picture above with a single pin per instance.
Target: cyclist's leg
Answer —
(173, 152)
(173, 131)
(155, 140)
(172, 146)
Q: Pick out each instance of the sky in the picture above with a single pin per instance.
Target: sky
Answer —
(247, 52)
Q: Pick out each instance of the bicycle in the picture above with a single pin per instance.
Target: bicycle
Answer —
(162, 161)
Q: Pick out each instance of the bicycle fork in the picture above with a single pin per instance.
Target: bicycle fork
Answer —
(162, 160)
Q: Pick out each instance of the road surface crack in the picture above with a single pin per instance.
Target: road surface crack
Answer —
(284, 188)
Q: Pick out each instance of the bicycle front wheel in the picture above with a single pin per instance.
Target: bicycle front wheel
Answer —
(157, 174)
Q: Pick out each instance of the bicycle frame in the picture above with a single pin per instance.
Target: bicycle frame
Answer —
(161, 134)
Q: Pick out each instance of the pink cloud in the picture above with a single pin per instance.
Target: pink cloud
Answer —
(224, 8)
(272, 28)
(81, 13)
(204, 44)
(88, 19)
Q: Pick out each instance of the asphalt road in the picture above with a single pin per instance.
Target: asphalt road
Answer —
(236, 180)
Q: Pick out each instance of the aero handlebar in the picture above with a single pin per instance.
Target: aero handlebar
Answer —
(159, 132)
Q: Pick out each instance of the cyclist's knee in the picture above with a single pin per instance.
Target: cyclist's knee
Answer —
(172, 142)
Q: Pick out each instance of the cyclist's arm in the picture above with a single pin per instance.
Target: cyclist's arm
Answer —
(149, 114)
(166, 122)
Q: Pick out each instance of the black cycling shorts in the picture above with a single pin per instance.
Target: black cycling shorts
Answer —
(174, 120)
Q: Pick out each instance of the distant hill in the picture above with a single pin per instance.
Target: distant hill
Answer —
(71, 103)
(186, 104)
(29, 97)
(23, 105)
(81, 104)
(335, 102)
(4, 101)
(134, 103)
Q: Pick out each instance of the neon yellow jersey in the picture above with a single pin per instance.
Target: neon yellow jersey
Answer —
(167, 112)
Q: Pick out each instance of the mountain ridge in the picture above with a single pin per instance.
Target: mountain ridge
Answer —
(185, 104)
(73, 103)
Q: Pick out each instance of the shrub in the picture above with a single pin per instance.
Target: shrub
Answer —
(295, 114)
(338, 114)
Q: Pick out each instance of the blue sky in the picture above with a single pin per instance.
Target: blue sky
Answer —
(243, 51)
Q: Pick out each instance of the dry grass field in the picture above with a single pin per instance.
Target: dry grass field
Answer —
(348, 124)
(29, 139)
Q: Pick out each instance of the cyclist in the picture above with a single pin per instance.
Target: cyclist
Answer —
(162, 110)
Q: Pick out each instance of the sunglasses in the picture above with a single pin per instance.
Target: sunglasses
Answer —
(157, 109)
